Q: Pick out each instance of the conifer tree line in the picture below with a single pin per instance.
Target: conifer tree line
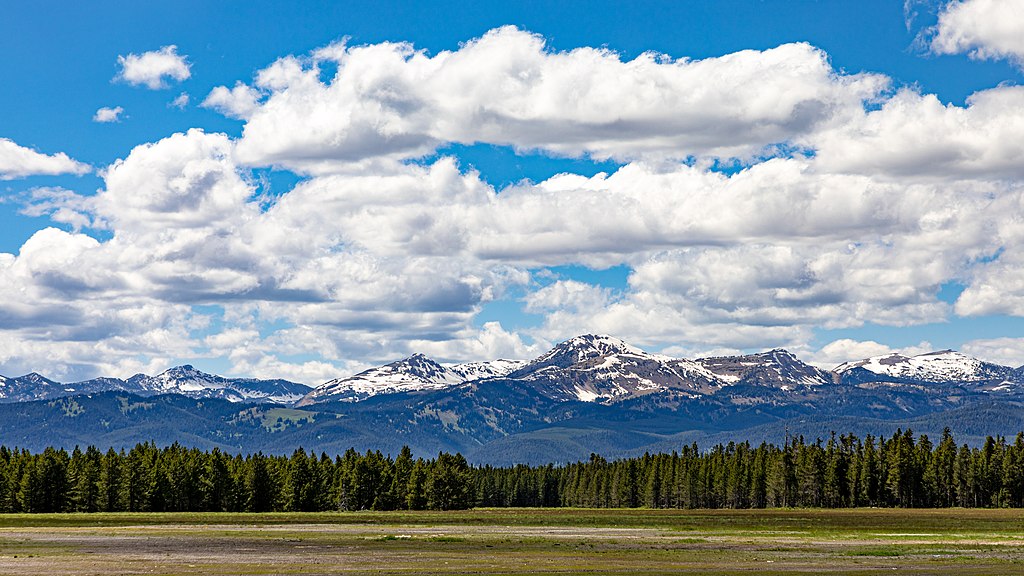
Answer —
(844, 471)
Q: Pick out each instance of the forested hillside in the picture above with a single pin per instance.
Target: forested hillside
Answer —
(843, 471)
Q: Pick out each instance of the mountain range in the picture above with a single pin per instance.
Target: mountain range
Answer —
(588, 394)
(183, 380)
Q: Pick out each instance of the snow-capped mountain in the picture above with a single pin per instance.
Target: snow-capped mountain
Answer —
(601, 368)
(588, 368)
(184, 380)
(775, 369)
(415, 373)
(34, 386)
(945, 366)
(470, 371)
(31, 386)
(188, 381)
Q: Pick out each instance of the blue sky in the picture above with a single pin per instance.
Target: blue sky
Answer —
(473, 180)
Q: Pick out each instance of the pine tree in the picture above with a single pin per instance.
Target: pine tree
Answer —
(963, 474)
(652, 492)
(110, 481)
(215, 483)
(449, 484)
(943, 464)
(416, 494)
(84, 476)
(259, 485)
(299, 494)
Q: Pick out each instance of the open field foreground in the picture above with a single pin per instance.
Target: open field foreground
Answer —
(491, 541)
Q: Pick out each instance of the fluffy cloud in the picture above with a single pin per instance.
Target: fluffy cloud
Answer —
(373, 265)
(508, 88)
(188, 230)
(180, 102)
(239, 102)
(60, 205)
(984, 29)
(490, 341)
(915, 135)
(844, 350)
(155, 68)
(65, 311)
(1005, 351)
(18, 162)
(107, 115)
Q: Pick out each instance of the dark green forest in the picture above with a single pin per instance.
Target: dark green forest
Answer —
(842, 471)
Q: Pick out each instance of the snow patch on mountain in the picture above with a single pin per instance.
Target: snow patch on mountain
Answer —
(470, 371)
(942, 366)
(774, 369)
(415, 373)
(601, 368)
(188, 381)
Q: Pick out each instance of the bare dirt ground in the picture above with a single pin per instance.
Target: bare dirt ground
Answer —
(339, 548)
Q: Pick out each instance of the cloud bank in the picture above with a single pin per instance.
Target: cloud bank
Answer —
(845, 203)
(506, 88)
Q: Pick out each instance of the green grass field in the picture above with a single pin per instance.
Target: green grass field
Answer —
(490, 541)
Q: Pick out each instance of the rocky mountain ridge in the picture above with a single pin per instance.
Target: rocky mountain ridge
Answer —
(414, 373)
(184, 380)
(604, 369)
(586, 368)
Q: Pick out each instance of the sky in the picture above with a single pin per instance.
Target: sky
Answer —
(306, 189)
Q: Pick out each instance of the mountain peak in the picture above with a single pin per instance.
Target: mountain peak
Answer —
(946, 352)
(777, 354)
(598, 340)
(36, 378)
(183, 369)
(584, 346)
(937, 366)
(777, 368)
(418, 364)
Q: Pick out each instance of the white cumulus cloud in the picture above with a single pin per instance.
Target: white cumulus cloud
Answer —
(915, 135)
(155, 68)
(848, 350)
(983, 29)
(18, 162)
(180, 102)
(509, 88)
(240, 102)
(1005, 351)
(106, 115)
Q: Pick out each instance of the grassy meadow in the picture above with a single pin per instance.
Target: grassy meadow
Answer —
(519, 541)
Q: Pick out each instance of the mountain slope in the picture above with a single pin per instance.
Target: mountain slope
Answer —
(599, 368)
(188, 381)
(942, 367)
(414, 373)
(25, 388)
(604, 369)
(773, 369)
